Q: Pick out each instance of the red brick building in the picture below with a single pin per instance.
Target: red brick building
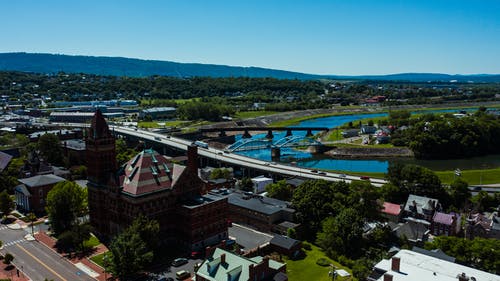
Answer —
(31, 193)
(151, 185)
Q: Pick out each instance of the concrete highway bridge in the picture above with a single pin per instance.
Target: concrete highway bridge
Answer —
(224, 156)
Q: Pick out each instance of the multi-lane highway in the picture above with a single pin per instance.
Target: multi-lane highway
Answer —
(239, 160)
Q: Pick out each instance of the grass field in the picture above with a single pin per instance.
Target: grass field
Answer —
(307, 269)
(158, 102)
(473, 177)
(99, 259)
(253, 114)
(156, 124)
(92, 242)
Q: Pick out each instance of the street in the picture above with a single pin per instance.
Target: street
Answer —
(36, 260)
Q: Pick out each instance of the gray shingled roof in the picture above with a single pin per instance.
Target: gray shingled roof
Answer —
(284, 241)
(41, 180)
(4, 160)
(261, 204)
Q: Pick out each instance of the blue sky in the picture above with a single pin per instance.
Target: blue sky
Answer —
(322, 37)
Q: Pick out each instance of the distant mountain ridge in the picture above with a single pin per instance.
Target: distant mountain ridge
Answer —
(119, 66)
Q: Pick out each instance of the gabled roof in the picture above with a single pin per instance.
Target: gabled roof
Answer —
(391, 208)
(148, 172)
(420, 202)
(442, 218)
(4, 160)
(284, 242)
(41, 180)
(235, 266)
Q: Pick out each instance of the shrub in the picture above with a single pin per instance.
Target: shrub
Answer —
(323, 262)
(306, 246)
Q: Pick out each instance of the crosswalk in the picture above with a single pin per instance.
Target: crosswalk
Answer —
(2, 227)
(12, 243)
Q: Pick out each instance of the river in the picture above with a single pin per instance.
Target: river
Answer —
(305, 159)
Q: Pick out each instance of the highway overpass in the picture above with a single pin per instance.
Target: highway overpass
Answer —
(238, 160)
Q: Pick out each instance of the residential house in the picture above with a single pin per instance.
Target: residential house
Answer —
(365, 129)
(31, 193)
(4, 160)
(350, 133)
(421, 207)
(391, 211)
(480, 225)
(445, 224)
(224, 265)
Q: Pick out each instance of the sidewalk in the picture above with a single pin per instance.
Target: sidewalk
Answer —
(77, 259)
(11, 274)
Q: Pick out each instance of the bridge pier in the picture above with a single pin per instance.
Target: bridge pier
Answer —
(269, 135)
(246, 135)
(288, 133)
(275, 153)
(317, 149)
(309, 133)
(222, 133)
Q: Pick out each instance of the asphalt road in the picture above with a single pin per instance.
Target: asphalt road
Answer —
(36, 260)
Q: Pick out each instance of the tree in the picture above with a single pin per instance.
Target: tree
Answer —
(280, 190)
(460, 193)
(49, 147)
(315, 200)
(123, 152)
(246, 184)
(341, 235)
(130, 252)
(6, 203)
(32, 218)
(220, 173)
(8, 258)
(65, 203)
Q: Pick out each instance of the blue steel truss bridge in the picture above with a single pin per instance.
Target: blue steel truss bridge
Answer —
(265, 143)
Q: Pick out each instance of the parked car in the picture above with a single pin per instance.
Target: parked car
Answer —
(195, 254)
(183, 274)
(179, 261)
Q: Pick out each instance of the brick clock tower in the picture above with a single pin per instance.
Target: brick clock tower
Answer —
(101, 170)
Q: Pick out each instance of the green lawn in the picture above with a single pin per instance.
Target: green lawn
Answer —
(99, 259)
(253, 114)
(92, 242)
(473, 177)
(307, 269)
(159, 124)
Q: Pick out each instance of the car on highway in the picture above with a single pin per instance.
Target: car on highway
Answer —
(314, 171)
(322, 173)
(365, 178)
(179, 262)
(157, 138)
(342, 176)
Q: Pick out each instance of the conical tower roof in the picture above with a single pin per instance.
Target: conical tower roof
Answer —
(99, 128)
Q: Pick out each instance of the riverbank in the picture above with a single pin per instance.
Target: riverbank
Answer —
(295, 117)
(368, 152)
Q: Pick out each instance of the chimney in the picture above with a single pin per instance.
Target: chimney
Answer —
(192, 161)
(387, 277)
(463, 277)
(395, 264)
(223, 258)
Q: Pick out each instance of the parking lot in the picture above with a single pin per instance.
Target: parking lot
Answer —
(170, 272)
